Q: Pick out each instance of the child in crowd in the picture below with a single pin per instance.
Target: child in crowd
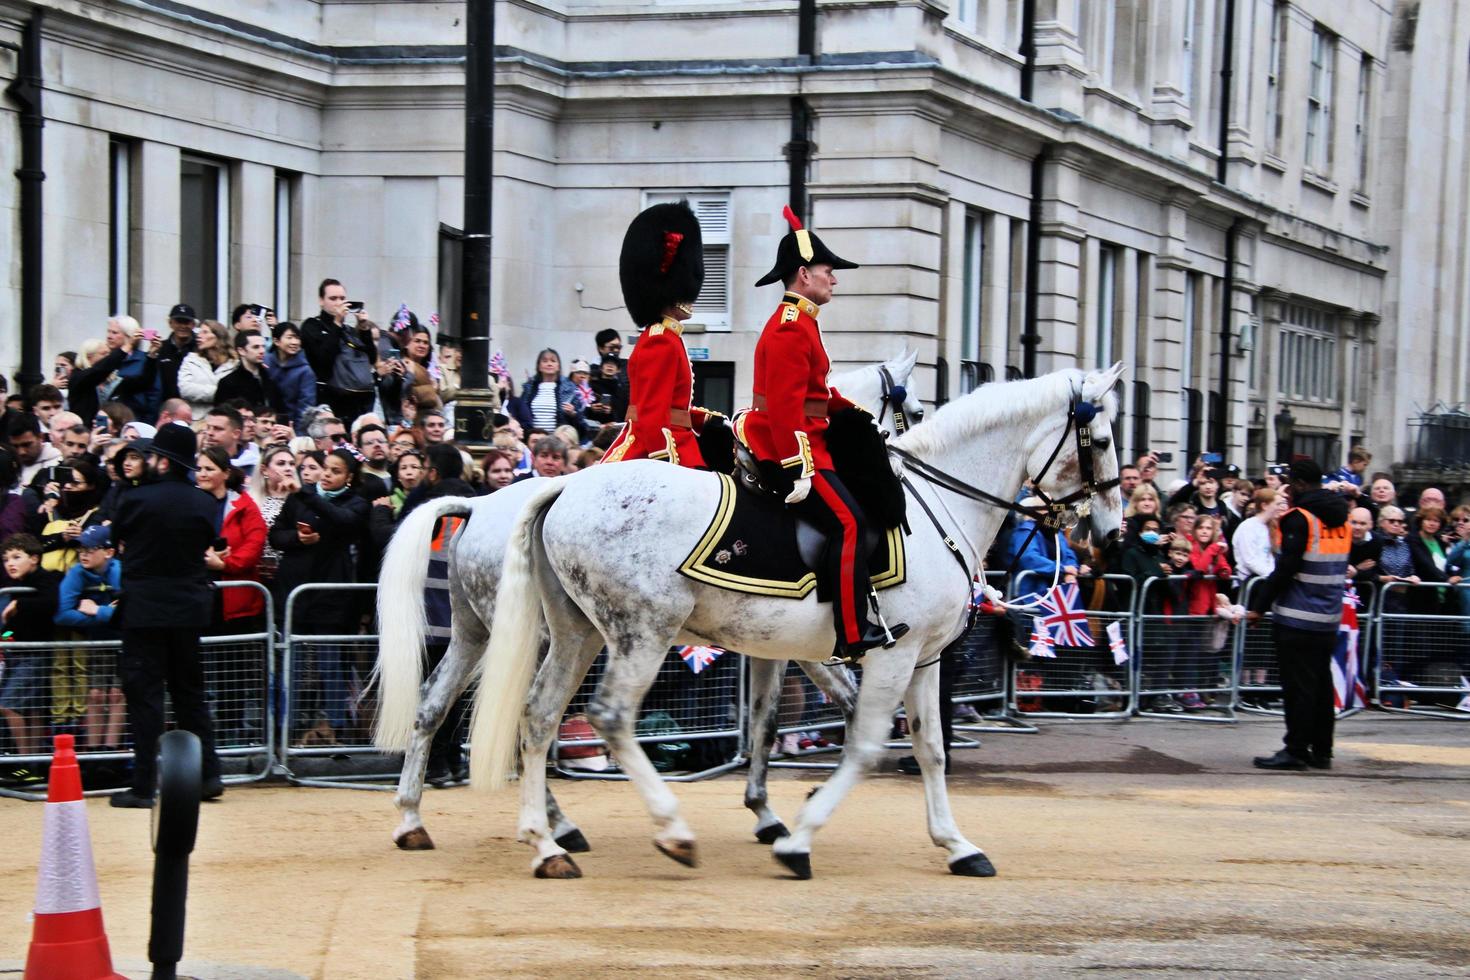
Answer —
(26, 619)
(88, 599)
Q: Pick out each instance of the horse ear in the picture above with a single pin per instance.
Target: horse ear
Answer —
(903, 364)
(1098, 383)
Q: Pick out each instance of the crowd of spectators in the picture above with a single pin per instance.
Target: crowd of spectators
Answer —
(315, 440)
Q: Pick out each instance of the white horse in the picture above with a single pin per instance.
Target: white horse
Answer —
(1054, 431)
(411, 710)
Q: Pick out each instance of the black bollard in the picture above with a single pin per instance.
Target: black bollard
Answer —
(175, 823)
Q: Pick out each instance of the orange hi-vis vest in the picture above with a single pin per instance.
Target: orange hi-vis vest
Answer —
(1312, 601)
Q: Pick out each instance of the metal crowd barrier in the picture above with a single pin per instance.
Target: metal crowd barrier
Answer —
(1180, 657)
(326, 721)
(1081, 683)
(74, 687)
(691, 725)
(1422, 656)
(1258, 688)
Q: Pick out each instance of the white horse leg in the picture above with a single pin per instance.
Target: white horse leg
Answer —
(765, 697)
(885, 672)
(542, 824)
(439, 691)
(631, 670)
(927, 736)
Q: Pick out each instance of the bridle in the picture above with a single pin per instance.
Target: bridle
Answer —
(894, 395)
(1054, 514)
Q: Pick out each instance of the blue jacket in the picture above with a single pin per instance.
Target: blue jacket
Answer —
(79, 584)
(1038, 556)
(139, 386)
(295, 381)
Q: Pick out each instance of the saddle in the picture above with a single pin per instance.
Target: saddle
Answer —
(756, 544)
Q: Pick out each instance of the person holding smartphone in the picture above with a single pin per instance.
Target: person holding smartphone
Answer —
(341, 351)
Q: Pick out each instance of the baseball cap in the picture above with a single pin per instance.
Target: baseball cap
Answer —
(579, 365)
(96, 536)
(182, 311)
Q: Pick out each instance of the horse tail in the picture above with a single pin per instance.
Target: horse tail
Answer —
(515, 639)
(402, 624)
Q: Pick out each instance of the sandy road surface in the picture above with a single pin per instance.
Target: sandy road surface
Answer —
(1130, 849)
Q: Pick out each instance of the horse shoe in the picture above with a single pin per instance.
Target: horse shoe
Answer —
(683, 851)
(558, 866)
(974, 866)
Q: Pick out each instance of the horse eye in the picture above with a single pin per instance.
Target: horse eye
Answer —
(1102, 443)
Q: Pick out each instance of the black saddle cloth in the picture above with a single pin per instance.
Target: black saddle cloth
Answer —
(755, 544)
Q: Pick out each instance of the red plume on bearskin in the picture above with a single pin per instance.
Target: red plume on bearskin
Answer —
(662, 262)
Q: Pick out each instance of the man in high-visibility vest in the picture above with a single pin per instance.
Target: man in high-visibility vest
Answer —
(1304, 595)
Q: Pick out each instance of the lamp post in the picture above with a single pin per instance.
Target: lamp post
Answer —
(475, 407)
(1285, 430)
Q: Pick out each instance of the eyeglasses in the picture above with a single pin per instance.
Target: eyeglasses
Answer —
(1462, 520)
(1393, 520)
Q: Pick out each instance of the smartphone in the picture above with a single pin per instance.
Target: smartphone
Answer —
(220, 544)
(58, 474)
(1212, 457)
(1164, 457)
(355, 305)
(304, 528)
(101, 421)
(150, 334)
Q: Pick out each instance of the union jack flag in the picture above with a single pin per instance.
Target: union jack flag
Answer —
(400, 319)
(1065, 618)
(1347, 686)
(1042, 645)
(498, 367)
(697, 658)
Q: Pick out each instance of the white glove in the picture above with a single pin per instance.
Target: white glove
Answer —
(799, 490)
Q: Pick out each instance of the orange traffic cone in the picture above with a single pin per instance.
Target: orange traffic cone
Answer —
(67, 939)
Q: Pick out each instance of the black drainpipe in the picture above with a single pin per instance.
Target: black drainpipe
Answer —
(799, 149)
(1227, 77)
(1029, 336)
(1219, 429)
(25, 91)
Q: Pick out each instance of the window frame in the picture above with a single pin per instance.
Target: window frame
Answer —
(120, 221)
(1321, 79)
(222, 235)
(718, 239)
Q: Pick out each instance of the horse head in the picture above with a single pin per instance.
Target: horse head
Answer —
(1073, 462)
(897, 394)
(878, 387)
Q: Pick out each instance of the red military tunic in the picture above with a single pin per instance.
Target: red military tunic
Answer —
(661, 423)
(792, 400)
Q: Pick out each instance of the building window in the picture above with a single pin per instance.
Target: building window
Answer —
(970, 371)
(970, 14)
(1275, 77)
(451, 282)
(1107, 305)
(1307, 355)
(1360, 127)
(204, 236)
(120, 211)
(1319, 101)
(281, 293)
(712, 310)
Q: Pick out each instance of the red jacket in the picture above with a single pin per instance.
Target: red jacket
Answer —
(788, 423)
(660, 385)
(1200, 593)
(244, 530)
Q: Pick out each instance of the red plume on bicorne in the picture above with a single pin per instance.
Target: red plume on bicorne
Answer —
(791, 218)
(671, 245)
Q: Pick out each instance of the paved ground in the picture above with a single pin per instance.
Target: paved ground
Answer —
(1137, 848)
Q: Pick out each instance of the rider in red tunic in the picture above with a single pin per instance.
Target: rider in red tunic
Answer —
(661, 270)
(787, 424)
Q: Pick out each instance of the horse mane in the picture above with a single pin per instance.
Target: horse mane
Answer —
(997, 404)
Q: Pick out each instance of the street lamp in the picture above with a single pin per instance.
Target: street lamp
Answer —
(1285, 430)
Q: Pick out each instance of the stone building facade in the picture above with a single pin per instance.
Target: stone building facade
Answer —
(1065, 195)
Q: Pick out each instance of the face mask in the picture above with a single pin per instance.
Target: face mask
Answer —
(1149, 537)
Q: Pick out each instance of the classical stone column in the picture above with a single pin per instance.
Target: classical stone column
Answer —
(1169, 109)
(1060, 255)
(156, 184)
(1125, 286)
(1165, 350)
(1061, 66)
(252, 234)
(995, 294)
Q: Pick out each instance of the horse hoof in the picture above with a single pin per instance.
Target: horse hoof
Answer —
(574, 842)
(799, 865)
(974, 866)
(683, 851)
(558, 866)
(771, 833)
(417, 839)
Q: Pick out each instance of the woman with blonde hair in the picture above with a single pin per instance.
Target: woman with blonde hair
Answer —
(1144, 503)
(95, 361)
(136, 382)
(202, 368)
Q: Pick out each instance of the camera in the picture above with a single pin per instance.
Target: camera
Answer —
(1164, 457)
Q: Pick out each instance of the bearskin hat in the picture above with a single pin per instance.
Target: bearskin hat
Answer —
(800, 247)
(662, 263)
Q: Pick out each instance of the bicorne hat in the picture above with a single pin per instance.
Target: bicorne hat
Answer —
(662, 262)
(798, 248)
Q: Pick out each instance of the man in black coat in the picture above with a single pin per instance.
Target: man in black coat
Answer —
(248, 381)
(163, 529)
(340, 347)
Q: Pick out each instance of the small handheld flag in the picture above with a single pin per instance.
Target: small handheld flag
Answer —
(1065, 618)
(697, 657)
(1042, 644)
(1117, 644)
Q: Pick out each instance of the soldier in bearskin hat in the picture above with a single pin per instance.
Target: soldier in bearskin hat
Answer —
(787, 425)
(661, 270)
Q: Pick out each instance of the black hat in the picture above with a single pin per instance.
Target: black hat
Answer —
(447, 340)
(182, 311)
(800, 248)
(1306, 470)
(662, 263)
(174, 442)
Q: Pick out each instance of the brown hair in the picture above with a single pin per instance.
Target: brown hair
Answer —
(1429, 514)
